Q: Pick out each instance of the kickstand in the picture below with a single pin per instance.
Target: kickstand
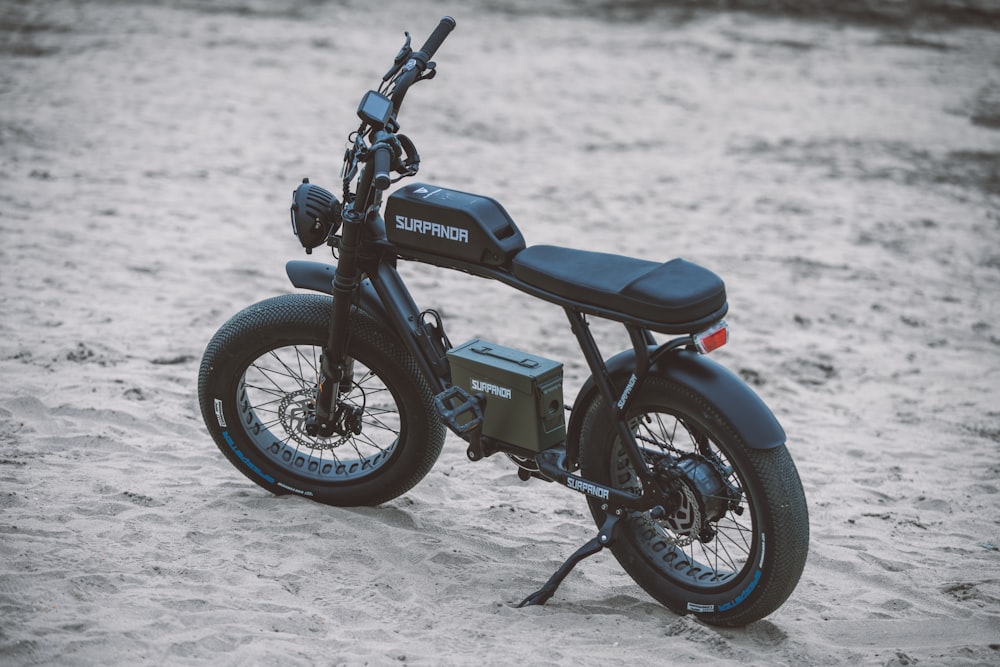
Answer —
(605, 537)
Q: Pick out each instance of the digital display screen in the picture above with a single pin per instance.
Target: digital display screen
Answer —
(375, 109)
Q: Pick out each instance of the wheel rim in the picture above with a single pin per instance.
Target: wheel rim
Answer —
(277, 392)
(674, 544)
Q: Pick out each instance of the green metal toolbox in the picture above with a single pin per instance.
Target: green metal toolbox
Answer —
(524, 398)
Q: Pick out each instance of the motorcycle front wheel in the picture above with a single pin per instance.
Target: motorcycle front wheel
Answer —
(733, 545)
(257, 386)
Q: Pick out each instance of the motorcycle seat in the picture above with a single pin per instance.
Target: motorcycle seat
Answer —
(671, 294)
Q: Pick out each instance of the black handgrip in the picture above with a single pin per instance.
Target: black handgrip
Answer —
(437, 37)
(381, 159)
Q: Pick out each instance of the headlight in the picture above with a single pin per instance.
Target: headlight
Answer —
(315, 214)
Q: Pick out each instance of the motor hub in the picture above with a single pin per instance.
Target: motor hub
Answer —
(700, 495)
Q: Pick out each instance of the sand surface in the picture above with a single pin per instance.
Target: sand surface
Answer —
(842, 177)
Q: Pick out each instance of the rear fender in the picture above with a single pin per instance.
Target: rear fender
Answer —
(718, 386)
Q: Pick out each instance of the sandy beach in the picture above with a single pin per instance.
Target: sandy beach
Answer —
(841, 174)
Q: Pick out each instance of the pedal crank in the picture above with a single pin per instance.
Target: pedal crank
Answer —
(605, 538)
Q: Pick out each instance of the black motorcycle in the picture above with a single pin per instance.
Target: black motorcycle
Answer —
(346, 400)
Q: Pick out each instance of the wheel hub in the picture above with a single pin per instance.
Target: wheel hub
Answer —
(294, 413)
(700, 495)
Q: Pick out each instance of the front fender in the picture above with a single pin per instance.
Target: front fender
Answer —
(318, 277)
(718, 386)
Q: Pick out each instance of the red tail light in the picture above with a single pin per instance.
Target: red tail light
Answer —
(712, 338)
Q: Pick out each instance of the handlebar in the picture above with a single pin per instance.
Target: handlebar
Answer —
(409, 67)
(418, 60)
(381, 159)
(433, 43)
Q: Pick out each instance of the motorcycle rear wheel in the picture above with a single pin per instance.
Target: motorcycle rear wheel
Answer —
(257, 385)
(736, 548)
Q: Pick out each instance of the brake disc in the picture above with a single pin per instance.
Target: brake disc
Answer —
(293, 412)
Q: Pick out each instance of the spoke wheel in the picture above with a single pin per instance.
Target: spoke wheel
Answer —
(279, 388)
(258, 389)
(708, 534)
(732, 544)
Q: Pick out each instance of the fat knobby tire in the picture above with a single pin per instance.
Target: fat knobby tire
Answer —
(264, 438)
(774, 522)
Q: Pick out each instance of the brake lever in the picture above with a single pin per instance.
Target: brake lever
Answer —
(401, 57)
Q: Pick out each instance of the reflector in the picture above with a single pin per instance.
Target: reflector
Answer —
(712, 338)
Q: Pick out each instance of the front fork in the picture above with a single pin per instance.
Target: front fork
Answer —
(423, 340)
(336, 367)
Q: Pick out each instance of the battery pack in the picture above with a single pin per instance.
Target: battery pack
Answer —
(524, 397)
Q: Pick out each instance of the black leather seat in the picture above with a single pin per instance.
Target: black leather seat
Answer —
(671, 294)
